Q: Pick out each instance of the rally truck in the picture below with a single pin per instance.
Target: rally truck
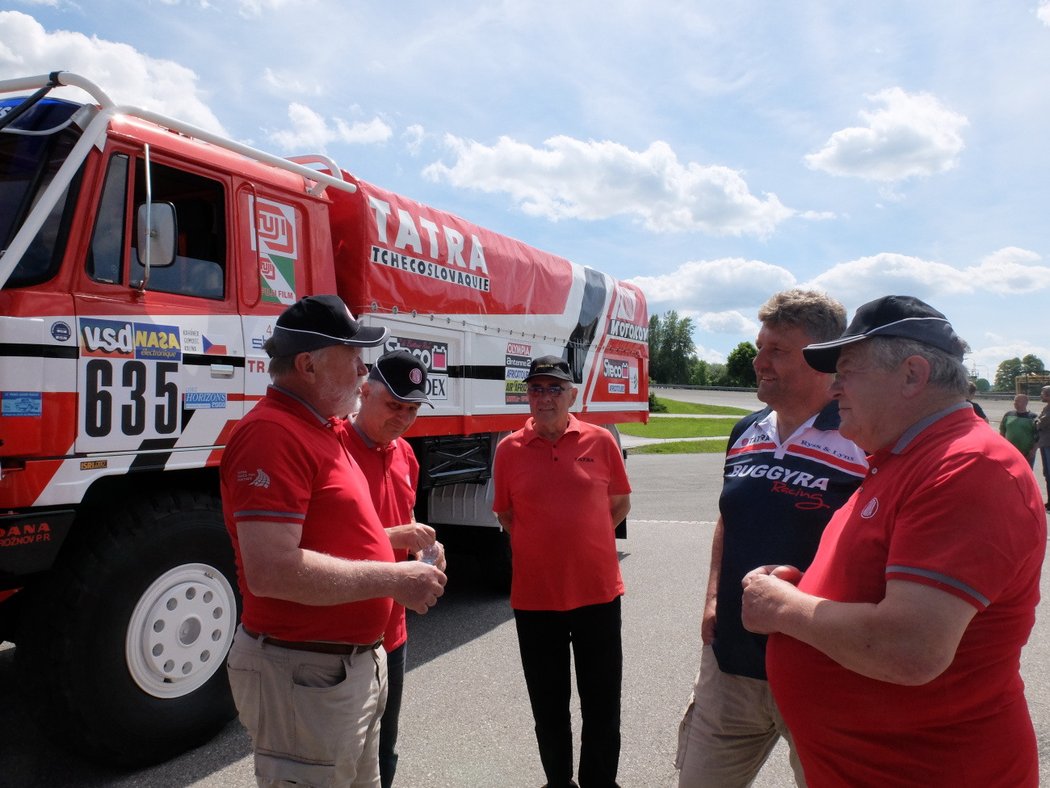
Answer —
(144, 263)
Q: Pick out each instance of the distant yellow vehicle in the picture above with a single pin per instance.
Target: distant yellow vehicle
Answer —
(1031, 384)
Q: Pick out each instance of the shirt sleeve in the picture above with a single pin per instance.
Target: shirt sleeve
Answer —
(952, 535)
(267, 475)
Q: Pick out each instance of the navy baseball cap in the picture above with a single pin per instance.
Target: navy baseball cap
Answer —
(889, 316)
(318, 321)
(551, 367)
(404, 376)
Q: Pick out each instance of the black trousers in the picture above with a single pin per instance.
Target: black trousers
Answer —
(544, 638)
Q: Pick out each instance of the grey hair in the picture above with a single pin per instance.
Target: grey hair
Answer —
(946, 371)
(279, 365)
(820, 316)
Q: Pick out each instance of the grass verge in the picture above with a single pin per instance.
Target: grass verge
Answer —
(671, 427)
(716, 446)
(676, 407)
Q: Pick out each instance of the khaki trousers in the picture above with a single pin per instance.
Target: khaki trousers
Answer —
(313, 718)
(729, 728)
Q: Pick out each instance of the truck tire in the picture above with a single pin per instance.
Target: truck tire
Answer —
(124, 653)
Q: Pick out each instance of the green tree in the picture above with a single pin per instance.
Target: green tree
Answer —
(1032, 365)
(671, 349)
(739, 367)
(699, 373)
(717, 375)
(1006, 372)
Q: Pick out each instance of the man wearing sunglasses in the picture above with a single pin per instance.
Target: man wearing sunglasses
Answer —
(560, 489)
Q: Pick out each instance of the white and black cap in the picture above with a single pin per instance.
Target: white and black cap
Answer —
(318, 321)
(889, 316)
(404, 376)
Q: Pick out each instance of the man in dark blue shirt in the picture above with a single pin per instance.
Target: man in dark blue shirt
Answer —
(787, 469)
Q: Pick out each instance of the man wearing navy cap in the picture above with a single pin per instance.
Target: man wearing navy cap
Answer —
(315, 568)
(895, 659)
(560, 490)
(390, 401)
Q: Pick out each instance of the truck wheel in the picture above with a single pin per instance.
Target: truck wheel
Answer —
(126, 650)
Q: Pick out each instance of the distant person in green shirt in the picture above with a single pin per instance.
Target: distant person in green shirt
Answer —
(1018, 427)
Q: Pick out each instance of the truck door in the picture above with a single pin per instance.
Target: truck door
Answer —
(161, 365)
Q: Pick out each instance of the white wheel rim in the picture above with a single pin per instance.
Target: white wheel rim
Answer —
(180, 630)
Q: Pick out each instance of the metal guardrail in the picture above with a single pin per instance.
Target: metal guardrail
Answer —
(744, 389)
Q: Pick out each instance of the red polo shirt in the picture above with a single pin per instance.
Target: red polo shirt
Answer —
(285, 463)
(563, 544)
(954, 506)
(391, 472)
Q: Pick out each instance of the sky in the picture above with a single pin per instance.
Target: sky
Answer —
(711, 152)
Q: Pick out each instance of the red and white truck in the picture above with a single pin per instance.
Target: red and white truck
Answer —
(144, 263)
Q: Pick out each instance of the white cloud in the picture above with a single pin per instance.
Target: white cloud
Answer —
(252, 9)
(714, 285)
(911, 135)
(128, 76)
(730, 322)
(287, 83)
(570, 178)
(709, 355)
(1043, 12)
(1006, 272)
(413, 137)
(310, 131)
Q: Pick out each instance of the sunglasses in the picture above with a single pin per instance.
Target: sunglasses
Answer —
(539, 391)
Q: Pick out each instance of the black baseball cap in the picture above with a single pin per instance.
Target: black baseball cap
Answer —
(318, 321)
(889, 316)
(404, 376)
(551, 367)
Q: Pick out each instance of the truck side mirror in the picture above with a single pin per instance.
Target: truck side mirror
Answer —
(160, 234)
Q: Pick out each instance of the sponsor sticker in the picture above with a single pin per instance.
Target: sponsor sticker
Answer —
(121, 339)
(204, 400)
(516, 366)
(60, 331)
(21, 403)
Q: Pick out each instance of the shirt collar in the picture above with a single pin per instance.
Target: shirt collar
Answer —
(294, 402)
(530, 434)
(908, 437)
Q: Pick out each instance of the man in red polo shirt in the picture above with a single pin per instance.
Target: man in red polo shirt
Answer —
(315, 568)
(560, 490)
(390, 401)
(895, 660)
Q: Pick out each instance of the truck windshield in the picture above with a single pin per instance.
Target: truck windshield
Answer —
(31, 151)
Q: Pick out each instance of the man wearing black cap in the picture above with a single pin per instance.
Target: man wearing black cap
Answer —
(560, 490)
(895, 659)
(390, 401)
(316, 570)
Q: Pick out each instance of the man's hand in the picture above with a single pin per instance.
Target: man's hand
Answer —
(767, 593)
(439, 562)
(418, 585)
(707, 623)
(411, 536)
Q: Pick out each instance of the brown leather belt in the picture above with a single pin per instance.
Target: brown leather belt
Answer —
(318, 646)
